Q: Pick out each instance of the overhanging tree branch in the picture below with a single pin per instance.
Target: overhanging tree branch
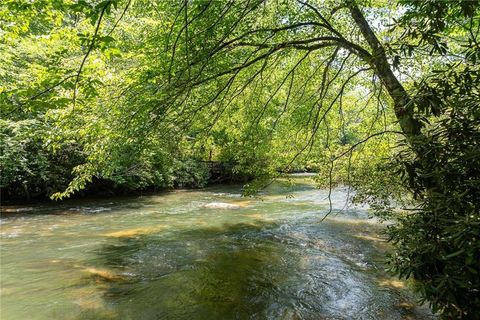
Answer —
(90, 48)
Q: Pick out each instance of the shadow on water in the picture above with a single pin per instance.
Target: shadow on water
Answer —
(237, 271)
(226, 273)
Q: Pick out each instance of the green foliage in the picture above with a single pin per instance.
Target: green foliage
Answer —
(189, 173)
(145, 94)
(28, 165)
(438, 242)
(437, 239)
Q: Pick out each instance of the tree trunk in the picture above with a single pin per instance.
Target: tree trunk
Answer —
(402, 102)
(403, 106)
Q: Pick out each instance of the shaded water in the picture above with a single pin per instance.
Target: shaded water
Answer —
(188, 255)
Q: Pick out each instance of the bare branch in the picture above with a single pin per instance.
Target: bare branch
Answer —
(120, 18)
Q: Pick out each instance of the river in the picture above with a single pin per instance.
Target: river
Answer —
(200, 254)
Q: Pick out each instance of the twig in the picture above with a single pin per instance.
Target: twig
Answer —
(90, 48)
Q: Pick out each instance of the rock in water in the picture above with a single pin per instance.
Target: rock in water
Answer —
(104, 274)
(222, 205)
(136, 231)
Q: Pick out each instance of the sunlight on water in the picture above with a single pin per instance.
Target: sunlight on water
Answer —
(208, 254)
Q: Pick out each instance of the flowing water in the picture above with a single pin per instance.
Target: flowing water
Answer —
(207, 254)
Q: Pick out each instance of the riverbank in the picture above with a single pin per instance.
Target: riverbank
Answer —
(218, 174)
(204, 174)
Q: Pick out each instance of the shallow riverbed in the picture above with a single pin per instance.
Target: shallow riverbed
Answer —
(207, 254)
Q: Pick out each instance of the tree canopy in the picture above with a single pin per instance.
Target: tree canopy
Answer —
(382, 96)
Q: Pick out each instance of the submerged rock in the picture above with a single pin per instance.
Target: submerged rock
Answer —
(392, 283)
(104, 274)
(135, 232)
(224, 205)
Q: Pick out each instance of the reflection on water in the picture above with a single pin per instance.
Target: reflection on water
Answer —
(206, 254)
